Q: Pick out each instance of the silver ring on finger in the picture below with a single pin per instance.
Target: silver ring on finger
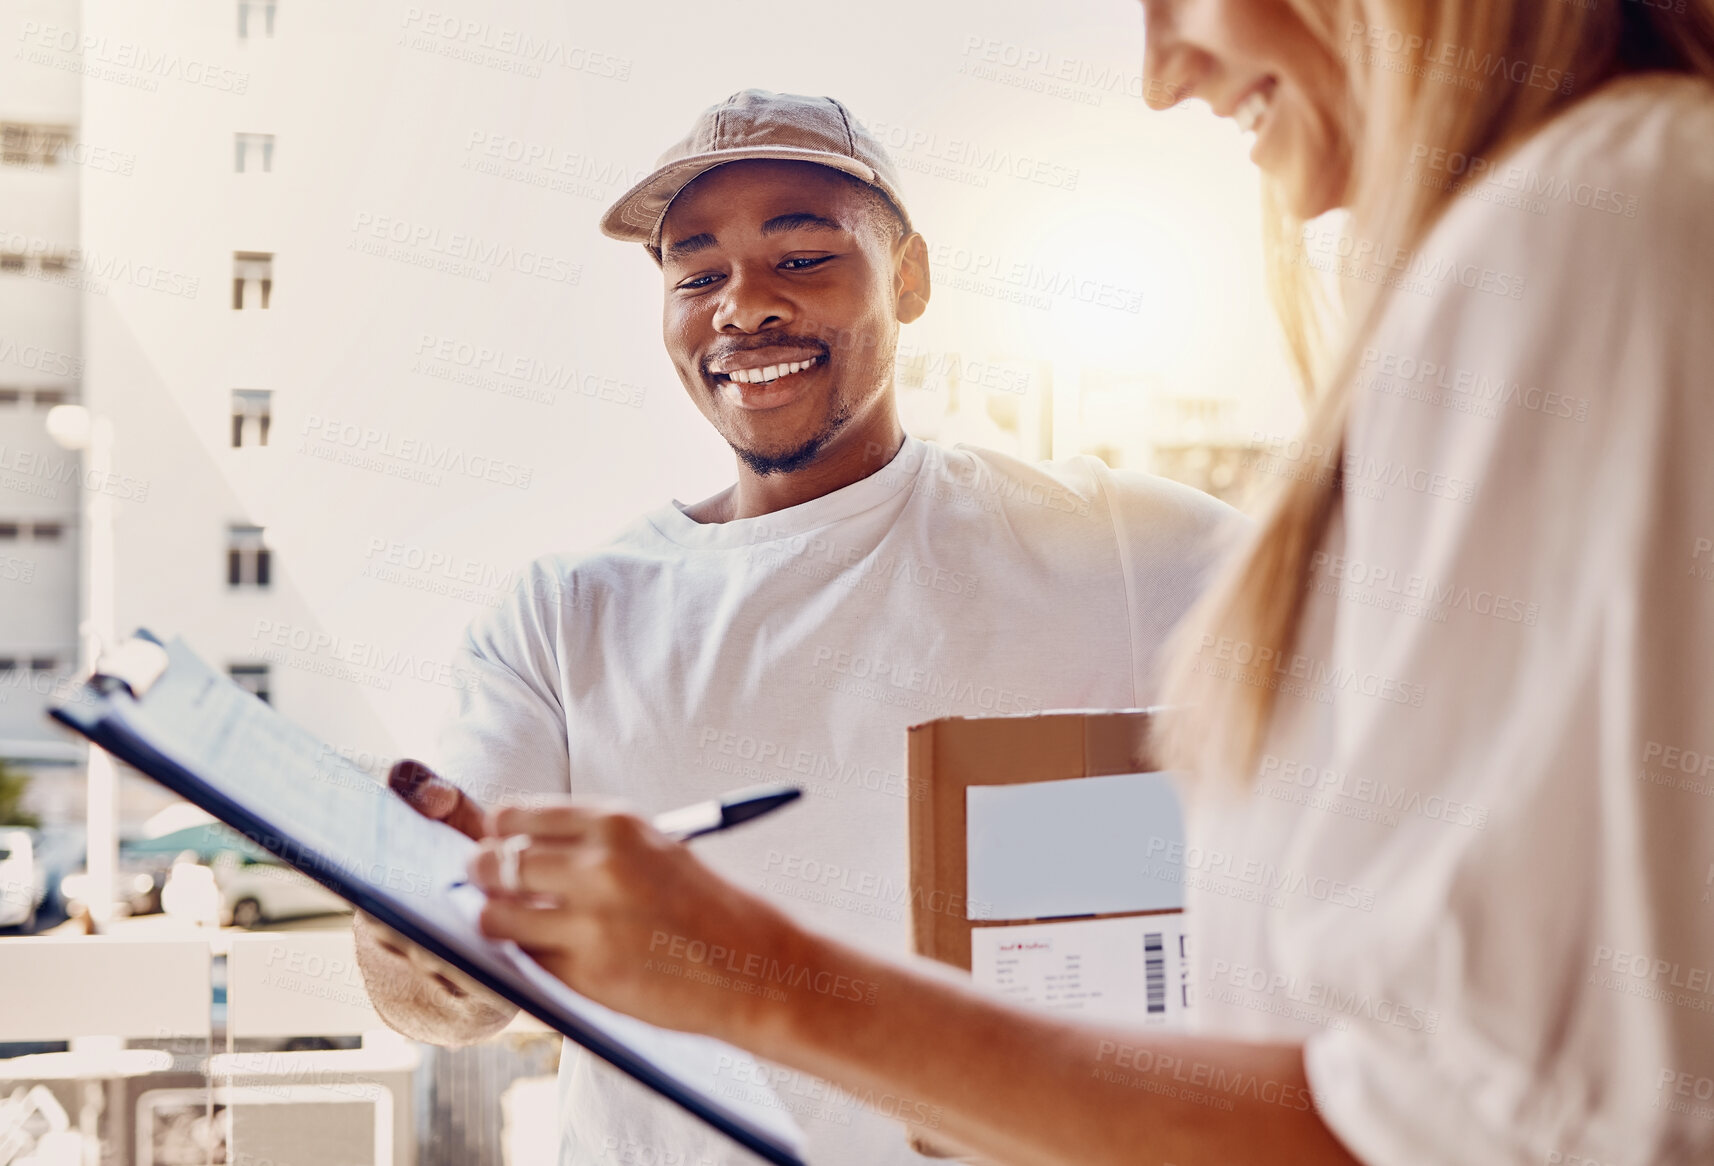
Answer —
(511, 850)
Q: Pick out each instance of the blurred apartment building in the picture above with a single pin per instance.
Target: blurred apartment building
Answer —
(41, 366)
(139, 221)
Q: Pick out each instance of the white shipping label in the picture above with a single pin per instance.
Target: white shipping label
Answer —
(1132, 970)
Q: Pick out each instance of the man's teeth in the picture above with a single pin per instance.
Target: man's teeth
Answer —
(773, 372)
(1251, 109)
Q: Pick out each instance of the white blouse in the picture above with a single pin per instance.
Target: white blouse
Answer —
(1476, 874)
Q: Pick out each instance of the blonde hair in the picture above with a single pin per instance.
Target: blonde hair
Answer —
(1400, 100)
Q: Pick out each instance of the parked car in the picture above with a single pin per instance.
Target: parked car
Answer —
(256, 889)
(19, 888)
(146, 860)
(59, 852)
(137, 885)
(143, 866)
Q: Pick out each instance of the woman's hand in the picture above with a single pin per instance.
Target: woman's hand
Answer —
(635, 921)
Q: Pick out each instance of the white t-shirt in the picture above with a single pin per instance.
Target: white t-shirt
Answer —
(686, 659)
(1477, 871)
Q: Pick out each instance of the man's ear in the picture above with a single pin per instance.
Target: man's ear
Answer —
(911, 279)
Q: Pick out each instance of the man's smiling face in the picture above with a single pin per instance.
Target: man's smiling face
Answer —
(785, 286)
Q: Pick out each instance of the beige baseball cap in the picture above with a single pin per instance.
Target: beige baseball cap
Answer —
(754, 124)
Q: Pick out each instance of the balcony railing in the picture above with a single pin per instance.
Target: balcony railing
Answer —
(231, 1048)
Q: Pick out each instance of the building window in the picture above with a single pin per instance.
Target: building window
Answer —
(252, 410)
(47, 262)
(48, 398)
(246, 557)
(44, 664)
(252, 278)
(22, 144)
(255, 18)
(46, 532)
(252, 678)
(256, 152)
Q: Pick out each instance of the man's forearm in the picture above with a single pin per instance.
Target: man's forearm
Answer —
(421, 1003)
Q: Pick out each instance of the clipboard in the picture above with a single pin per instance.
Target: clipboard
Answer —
(164, 711)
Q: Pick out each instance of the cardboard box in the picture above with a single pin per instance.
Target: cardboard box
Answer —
(948, 756)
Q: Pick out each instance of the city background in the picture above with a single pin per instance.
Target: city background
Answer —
(326, 283)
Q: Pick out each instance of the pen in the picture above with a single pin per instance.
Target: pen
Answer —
(725, 812)
(693, 821)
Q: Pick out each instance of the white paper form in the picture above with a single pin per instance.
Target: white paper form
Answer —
(1049, 849)
(1131, 971)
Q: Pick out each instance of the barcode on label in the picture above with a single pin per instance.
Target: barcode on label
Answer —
(1183, 972)
(1154, 967)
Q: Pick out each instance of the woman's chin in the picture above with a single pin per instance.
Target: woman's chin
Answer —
(1309, 182)
(1309, 192)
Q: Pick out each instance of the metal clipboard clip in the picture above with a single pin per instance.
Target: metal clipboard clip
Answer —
(134, 665)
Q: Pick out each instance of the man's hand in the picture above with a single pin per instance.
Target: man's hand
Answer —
(433, 797)
(413, 991)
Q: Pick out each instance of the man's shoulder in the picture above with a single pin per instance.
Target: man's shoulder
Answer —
(1085, 487)
(550, 588)
(1160, 507)
(638, 544)
(986, 481)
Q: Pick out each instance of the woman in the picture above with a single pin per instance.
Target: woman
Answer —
(1452, 702)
